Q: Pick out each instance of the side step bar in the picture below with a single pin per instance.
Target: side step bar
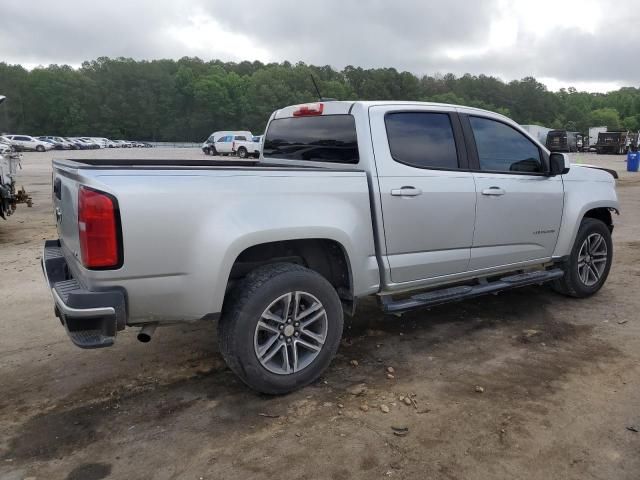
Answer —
(454, 294)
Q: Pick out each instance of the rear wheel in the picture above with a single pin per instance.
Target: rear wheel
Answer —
(242, 152)
(589, 263)
(280, 328)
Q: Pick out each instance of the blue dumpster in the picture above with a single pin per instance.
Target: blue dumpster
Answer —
(633, 158)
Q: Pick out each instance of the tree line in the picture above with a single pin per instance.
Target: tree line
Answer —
(187, 99)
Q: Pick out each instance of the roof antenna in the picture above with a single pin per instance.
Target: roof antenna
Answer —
(320, 97)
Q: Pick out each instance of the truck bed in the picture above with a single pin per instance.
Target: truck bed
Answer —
(185, 222)
(169, 164)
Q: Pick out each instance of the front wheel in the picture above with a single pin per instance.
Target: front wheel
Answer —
(39, 148)
(589, 263)
(280, 328)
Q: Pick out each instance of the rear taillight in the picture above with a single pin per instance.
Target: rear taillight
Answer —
(309, 110)
(99, 227)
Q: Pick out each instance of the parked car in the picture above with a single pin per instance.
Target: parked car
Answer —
(77, 145)
(29, 143)
(5, 145)
(86, 144)
(418, 204)
(56, 145)
(66, 144)
(209, 147)
(102, 142)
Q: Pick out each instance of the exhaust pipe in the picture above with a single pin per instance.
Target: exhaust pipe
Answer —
(146, 332)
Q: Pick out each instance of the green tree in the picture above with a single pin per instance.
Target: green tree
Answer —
(606, 116)
(186, 99)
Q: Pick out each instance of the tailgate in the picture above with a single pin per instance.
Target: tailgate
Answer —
(65, 206)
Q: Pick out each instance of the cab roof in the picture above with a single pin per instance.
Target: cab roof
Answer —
(342, 107)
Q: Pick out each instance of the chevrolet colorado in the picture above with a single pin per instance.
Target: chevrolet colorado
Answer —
(417, 203)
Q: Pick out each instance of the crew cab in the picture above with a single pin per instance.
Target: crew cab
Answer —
(210, 147)
(241, 145)
(418, 204)
(248, 148)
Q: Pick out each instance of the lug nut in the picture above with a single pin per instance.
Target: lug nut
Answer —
(288, 320)
(296, 324)
(281, 337)
(297, 334)
(288, 340)
(281, 327)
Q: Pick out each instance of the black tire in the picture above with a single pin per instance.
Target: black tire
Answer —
(39, 148)
(206, 151)
(571, 284)
(242, 152)
(243, 309)
(256, 155)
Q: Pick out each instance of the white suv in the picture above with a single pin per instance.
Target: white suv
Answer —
(25, 142)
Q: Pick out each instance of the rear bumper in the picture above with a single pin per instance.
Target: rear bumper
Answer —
(91, 319)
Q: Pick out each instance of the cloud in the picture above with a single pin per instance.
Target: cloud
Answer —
(404, 33)
(582, 42)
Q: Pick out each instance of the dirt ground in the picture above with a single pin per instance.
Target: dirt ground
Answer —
(560, 380)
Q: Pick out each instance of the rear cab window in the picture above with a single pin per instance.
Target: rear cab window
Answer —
(321, 138)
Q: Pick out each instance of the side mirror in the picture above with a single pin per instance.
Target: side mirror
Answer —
(558, 164)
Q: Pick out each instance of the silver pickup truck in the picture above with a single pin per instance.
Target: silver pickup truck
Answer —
(417, 203)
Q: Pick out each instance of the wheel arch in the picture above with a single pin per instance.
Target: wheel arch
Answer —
(603, 214)
(326, 256)
(602, 211)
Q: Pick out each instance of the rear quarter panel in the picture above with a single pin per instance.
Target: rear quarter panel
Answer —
(182, 231)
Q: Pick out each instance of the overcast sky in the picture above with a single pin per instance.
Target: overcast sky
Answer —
(589, 44)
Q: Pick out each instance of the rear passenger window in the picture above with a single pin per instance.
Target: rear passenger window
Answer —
(504, 149)
(240, 138)
(422, 139)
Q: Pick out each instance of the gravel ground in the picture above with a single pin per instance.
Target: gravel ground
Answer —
(524, 385)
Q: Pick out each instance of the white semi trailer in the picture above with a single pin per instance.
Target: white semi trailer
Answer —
(537, 131)
(593, 136)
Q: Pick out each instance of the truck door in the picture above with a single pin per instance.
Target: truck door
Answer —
(223, 145)
(427, 193)
(519, 207)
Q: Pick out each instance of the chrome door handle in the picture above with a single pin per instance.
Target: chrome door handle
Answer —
(406, 192)
(493, 191)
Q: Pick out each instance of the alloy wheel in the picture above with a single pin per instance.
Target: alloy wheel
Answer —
(290, 333)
